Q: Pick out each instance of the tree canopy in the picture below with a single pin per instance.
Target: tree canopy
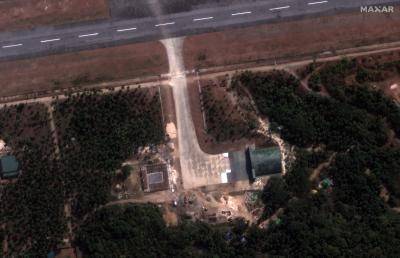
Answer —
(96, 133)
(350, 218)
(140, 231)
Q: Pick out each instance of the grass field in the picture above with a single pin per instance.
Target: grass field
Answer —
(80, 68)
(25, 14)
(284, 40)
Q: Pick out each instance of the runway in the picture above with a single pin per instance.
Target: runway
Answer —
(48, 40)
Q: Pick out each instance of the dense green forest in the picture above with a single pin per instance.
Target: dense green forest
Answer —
(96, 134)
(359, 93)
(31, 208)
(350, 219)
(2, 235)
(308, 119)
(140, 231)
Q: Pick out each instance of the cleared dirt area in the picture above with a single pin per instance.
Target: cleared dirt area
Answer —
(82, 68)
(25, 14)
(290, 39)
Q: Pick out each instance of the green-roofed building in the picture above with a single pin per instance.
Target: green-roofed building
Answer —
(265, 162)
(9, 167)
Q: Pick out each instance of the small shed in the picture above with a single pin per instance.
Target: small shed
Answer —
(9, 167)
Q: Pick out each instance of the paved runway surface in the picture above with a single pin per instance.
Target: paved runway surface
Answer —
(75, 37)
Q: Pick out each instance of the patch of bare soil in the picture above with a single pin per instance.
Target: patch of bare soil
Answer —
(82, 68)
(290, 39)
(386, 69)
(391, 87)
(317, 171)
(133, 185)
(216, 206)
(170, 217)
(66, 253)
(25, 14)
(222, 122)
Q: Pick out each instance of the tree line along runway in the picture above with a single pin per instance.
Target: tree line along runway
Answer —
(75, 37)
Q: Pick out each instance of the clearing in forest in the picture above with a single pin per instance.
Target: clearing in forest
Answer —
(38, 192)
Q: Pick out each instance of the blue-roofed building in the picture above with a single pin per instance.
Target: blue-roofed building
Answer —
(51, 254)
(9, 167)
